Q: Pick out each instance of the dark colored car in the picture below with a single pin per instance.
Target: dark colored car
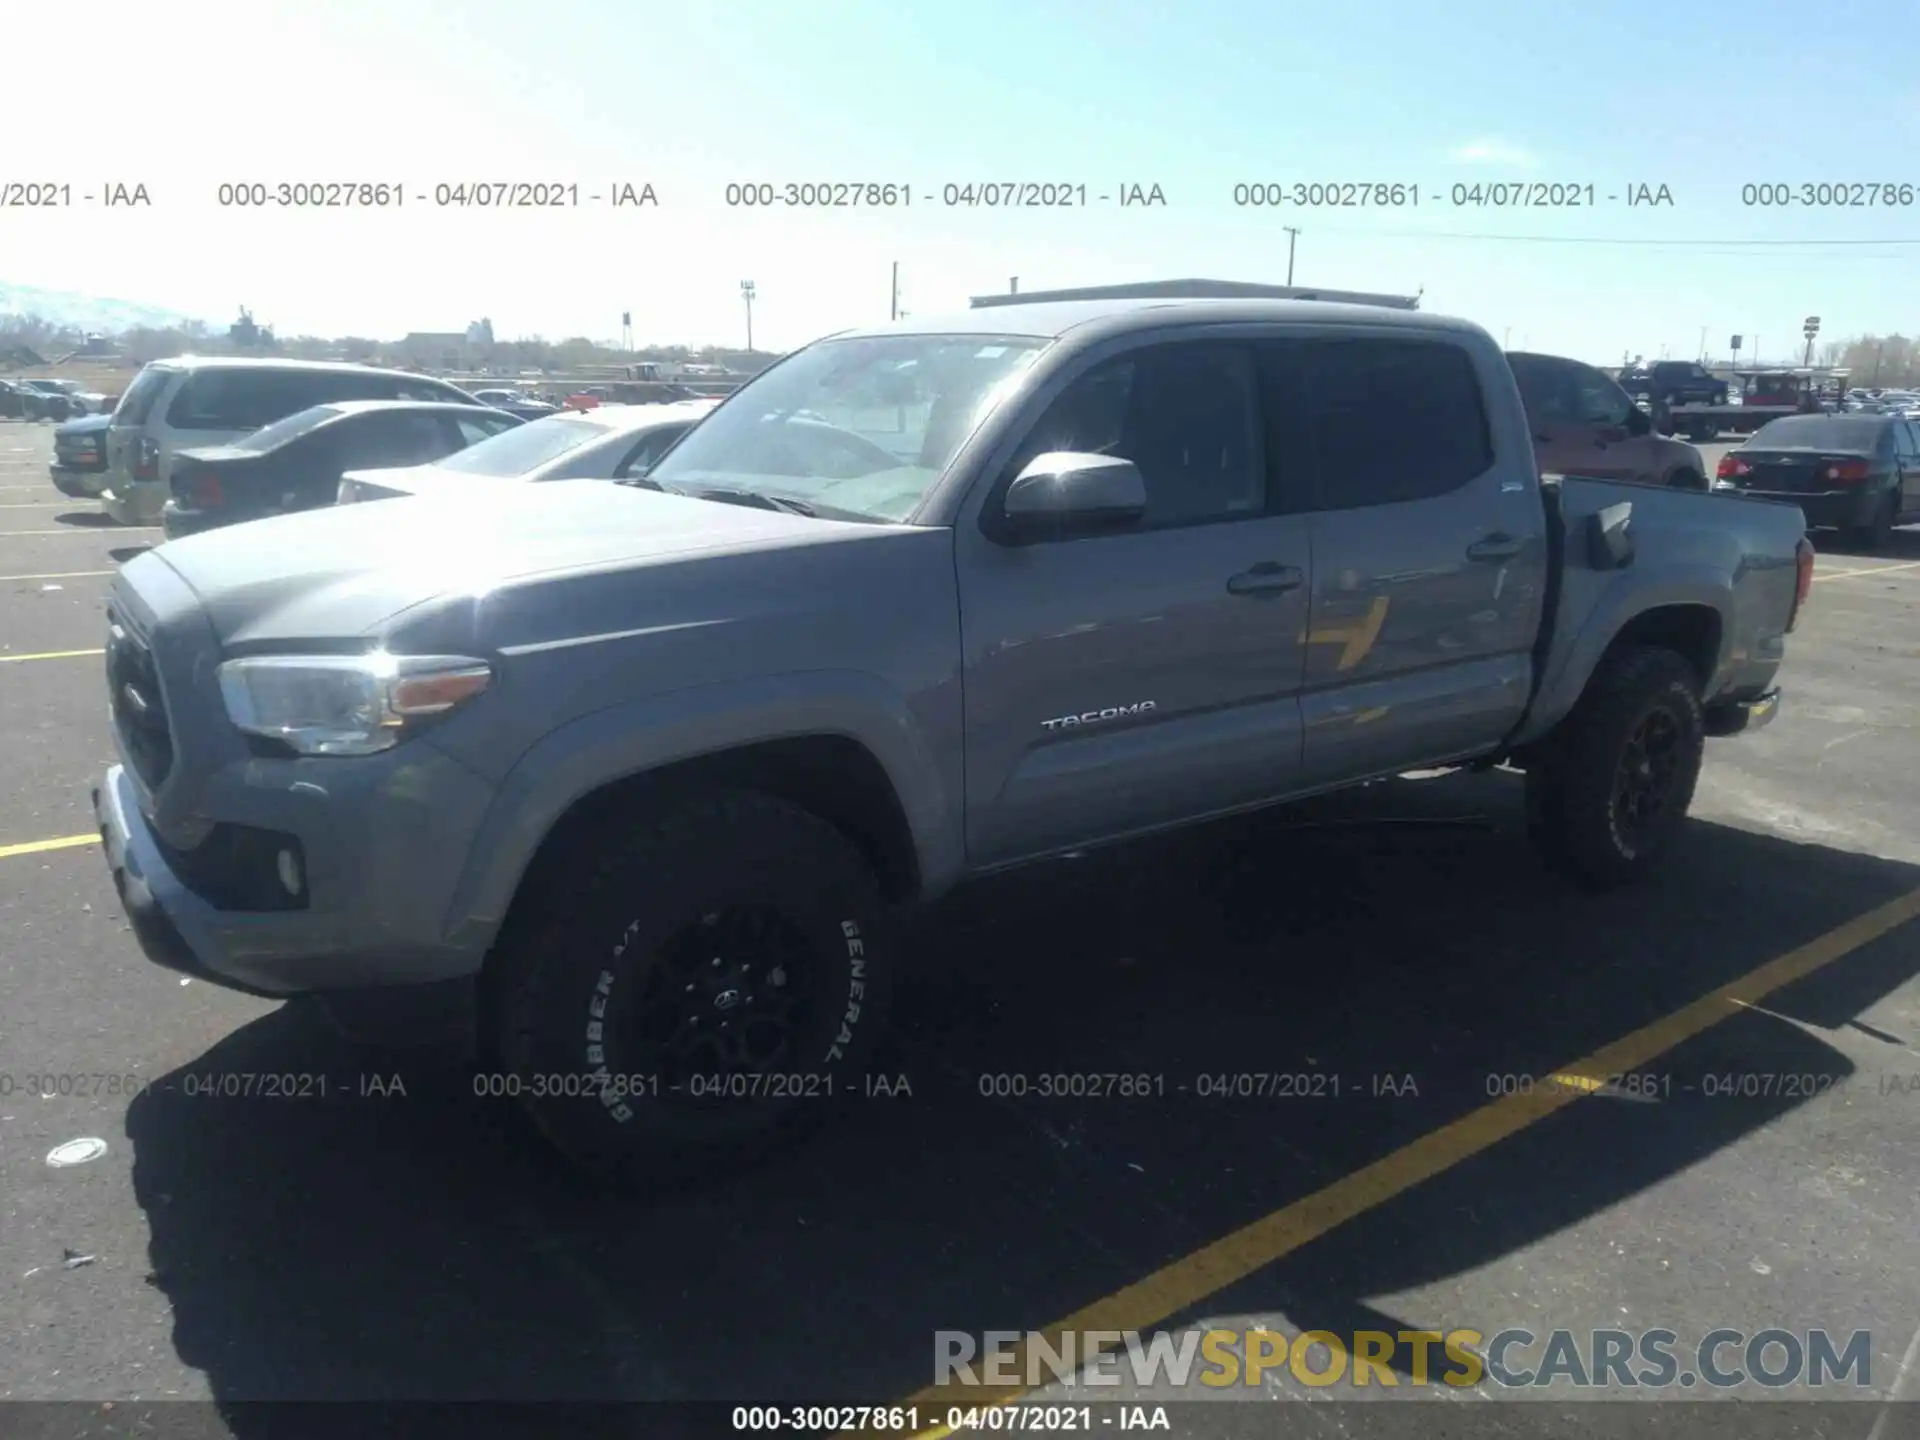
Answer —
(1856, 473)
(296, 463)
(1586, 424)
(516, 402)
(80, 456)
(1674, 382)
(36, 400)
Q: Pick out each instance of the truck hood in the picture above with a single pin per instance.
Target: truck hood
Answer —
(340, 573)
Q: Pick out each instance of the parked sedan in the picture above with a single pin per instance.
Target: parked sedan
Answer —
(1856, 473)
(80, 456)
(36, 400)
(296, 463)
(608, 442)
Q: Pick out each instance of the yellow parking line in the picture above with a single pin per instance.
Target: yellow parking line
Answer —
(60, 575)
(35, 847)
(1186, 1282)
(1870, 570)
(49, 655)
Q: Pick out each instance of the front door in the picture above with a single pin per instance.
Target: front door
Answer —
(1119, 682)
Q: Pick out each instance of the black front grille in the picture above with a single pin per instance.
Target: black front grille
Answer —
(139, 710)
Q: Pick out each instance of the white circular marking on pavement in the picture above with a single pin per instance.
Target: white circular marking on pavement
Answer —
(76, 1152)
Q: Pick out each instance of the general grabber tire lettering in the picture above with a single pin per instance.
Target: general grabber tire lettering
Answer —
(694, 991)
(1609, 796)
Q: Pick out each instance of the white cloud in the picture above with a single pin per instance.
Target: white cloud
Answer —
(1493, 151)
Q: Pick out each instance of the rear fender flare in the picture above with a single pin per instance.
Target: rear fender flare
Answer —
(1629, 594)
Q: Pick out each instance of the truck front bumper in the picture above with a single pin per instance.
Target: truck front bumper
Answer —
(368, 918)
(1739, 717)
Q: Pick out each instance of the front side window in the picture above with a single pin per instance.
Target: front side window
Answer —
(861, 427)
(1183, 413)
(1600, 401)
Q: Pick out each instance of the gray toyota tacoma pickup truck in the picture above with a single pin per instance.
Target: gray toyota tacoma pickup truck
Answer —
(643, 771)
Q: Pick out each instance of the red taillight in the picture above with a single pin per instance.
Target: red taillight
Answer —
(1732, 469)
(202, 489)
(146, 462)
(1848, 472)
(1803, 583)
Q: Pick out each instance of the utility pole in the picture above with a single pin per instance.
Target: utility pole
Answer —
(1013, 284)
(1506, 338)
(1703, 342)
(893, 312)
(1292, 235)
(746, 294)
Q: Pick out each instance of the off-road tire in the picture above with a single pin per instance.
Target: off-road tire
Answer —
(1573, 817)
(576, 961)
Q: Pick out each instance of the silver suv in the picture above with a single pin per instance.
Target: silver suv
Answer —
(193, 401)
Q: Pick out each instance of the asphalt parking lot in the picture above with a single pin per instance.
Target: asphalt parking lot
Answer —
(1400, 945)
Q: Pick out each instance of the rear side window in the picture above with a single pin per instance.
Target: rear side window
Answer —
(246, 399)
(137, 403)
(1394, 420)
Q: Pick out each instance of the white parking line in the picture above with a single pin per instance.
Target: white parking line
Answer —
(1837, 574)
(77, 530)
(60, 575)
(37, 504)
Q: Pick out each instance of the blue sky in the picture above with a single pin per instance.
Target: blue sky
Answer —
(1195, 97)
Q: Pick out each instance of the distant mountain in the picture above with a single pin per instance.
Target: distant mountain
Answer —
(86, 312)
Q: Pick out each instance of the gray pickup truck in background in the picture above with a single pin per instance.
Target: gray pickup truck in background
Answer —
(644, 770)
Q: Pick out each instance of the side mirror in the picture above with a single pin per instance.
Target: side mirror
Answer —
(1064, 494)
(1639, 422)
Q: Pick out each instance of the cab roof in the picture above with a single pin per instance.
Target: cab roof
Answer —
(1052, 320)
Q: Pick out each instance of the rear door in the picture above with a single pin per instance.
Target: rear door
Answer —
(1429, 559)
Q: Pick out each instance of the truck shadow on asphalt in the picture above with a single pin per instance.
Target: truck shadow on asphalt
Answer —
(380, 1246)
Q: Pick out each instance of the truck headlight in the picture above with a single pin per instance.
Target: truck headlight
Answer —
(345, 704)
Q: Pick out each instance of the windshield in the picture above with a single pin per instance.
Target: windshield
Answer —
(525, 447)
(1820, 432)
(281, 431)
(862, 426)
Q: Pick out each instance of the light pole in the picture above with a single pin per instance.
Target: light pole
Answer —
(893, 310)
(746, 294)
(1292, 235)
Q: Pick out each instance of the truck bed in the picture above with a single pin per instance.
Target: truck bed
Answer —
(1731, 557)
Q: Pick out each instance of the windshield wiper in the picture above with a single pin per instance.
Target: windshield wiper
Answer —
(729, 495)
